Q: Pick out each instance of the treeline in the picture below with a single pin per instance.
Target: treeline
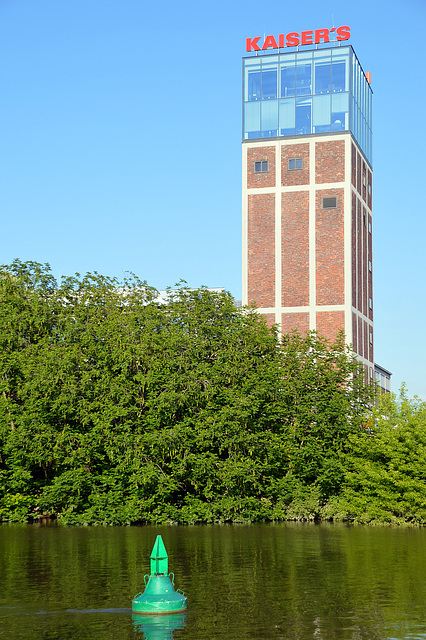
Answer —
(117, 409)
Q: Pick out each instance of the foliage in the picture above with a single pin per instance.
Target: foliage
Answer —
(385, 477)
(117, 409)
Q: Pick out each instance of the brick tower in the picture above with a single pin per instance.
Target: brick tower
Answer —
(307, 193)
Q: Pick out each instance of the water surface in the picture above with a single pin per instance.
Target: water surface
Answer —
(287, 581)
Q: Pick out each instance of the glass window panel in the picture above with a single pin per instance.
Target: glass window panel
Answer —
(252, 120)
(358, 85)
(269, 84)
(322, 71)
(353, 115)
(269, 119)
(340, 70)
(370, 109)
(364, 135)
(252, 86)
(288, 77)
(338, 76)
(321, 113)
(303, 116)
(269, 80)
(303, 78)
(287, 112)
(358, 125)
(340, 112)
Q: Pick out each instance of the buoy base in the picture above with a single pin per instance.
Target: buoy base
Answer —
(159, 598)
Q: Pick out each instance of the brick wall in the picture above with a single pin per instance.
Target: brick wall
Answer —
(330, 161)
(292, 177)
(364, 264)
(329, 249)
(353, 250)
(360, 338)
(295, 248)
(329, 323)
(354, 333)
(270, 318)
(365, 339)
(299, 321)
(359, 253)
(358, 173)
(371, 345)
(255, 180)
(353, 165)
(370, 259)
(261, 250)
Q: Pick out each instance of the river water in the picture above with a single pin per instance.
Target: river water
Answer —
(288, 581)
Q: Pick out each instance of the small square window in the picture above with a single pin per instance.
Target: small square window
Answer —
(329, 203)
(295, 163)
(261, 166)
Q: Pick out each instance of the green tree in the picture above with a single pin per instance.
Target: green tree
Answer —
(115, 408)
(385, 468)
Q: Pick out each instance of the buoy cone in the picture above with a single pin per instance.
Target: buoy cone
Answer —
(160, 596)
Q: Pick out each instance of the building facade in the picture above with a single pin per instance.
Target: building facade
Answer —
(307, 193)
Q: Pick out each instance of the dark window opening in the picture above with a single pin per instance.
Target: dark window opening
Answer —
(261, 166)
(329, 203)
(295, 163)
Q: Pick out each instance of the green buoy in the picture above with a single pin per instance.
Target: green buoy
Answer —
(160, 596)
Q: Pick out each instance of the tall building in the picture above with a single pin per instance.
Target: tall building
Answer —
(307, 189)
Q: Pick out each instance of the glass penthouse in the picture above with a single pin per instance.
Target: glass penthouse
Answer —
(307, 192)
(307, 92)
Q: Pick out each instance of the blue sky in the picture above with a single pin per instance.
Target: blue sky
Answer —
(120, 144)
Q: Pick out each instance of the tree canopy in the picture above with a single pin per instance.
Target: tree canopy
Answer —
(115, 408)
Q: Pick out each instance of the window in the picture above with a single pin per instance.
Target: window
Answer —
(369, 265)
(365, 220)
(329, 203)
(261, 166)
(369, 188)
(369, 227)
(371, 337)
(295, 163)
(370, 303)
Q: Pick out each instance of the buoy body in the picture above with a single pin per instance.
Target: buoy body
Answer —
(160, 596)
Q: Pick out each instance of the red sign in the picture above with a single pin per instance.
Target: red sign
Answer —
(294, 39)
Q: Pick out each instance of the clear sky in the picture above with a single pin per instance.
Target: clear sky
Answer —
(120, 143)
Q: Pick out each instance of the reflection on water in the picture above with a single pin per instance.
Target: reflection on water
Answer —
(262, 581)
(158, 627)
